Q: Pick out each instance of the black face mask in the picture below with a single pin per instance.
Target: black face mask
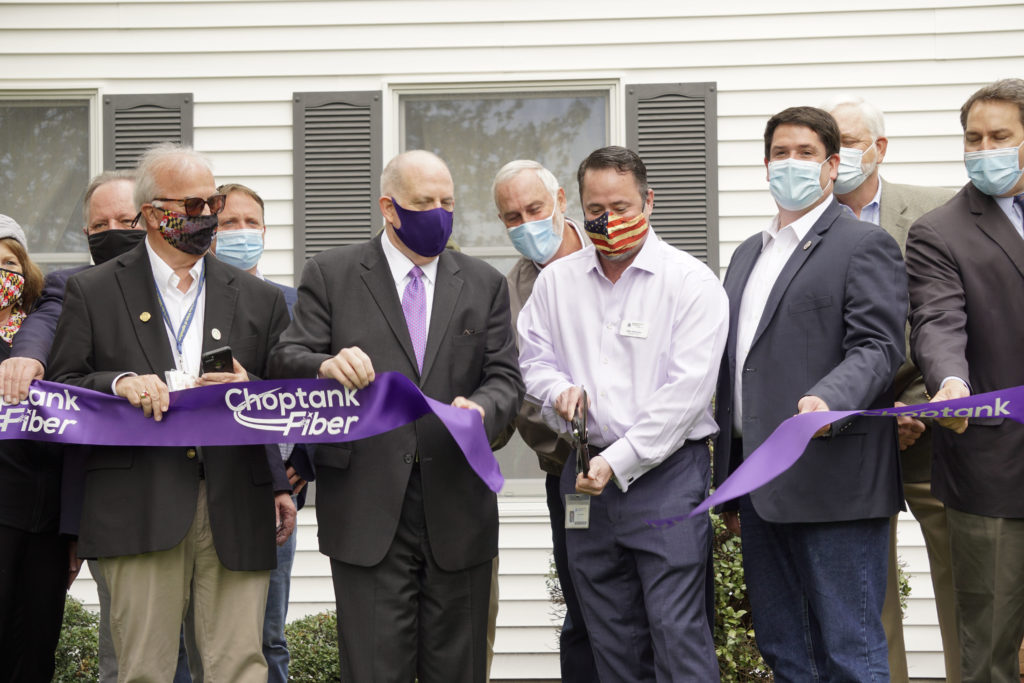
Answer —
(112, 243)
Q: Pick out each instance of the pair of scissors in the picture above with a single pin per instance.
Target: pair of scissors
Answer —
(580, 435)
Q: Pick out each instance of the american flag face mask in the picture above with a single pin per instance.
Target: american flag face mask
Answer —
(613, 234)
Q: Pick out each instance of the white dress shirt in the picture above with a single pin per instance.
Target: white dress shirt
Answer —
(177, 303)
(646, 348)
(777, 246)
(400, 266)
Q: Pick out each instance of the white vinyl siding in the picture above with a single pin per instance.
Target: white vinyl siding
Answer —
(243, 61)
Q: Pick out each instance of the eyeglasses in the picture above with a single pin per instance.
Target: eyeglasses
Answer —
(194, 205)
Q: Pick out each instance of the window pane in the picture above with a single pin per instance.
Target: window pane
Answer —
(44, 167)
(477, 134)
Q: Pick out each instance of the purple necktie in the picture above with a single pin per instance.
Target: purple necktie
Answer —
(414, 305)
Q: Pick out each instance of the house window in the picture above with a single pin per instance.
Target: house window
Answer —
(478, 133)
(44, 167)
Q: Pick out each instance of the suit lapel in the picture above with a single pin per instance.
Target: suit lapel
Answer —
(892, 215)
(380, 284)
(794, 264)
(221, 304)
(994, 223)
(446, 294)
(135, 279)
(740, 267)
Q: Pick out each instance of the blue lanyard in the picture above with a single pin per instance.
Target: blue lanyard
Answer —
(186, 321)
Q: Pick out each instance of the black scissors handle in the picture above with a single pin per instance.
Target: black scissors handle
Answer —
(580, 435)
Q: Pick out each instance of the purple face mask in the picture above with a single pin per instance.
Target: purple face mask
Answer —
(191, 235)
(425, 232)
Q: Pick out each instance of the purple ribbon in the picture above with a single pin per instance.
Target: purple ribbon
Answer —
(787, 443)
(280, 411)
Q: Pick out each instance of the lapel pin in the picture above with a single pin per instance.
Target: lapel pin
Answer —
(807, 245)
(145, 316)
(215, 333)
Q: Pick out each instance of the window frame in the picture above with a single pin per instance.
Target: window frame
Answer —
(391, 115)
(94, 131)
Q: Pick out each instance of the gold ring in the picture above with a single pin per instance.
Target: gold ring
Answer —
(144, 394)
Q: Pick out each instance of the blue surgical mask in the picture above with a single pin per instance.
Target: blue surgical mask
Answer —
(795, 184)
(852, 173)
(537, 240)
(240, 248)
(994, 171)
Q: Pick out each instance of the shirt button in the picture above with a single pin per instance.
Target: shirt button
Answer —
(605, 361)
(190, 453)
(604, 394)
(407, 458)
(604, 429)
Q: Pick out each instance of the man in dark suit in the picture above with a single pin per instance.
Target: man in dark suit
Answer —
(410, 529)
(241, 233)
(817, 313)
(965, 261)
(108, 211)
(175, 528)
(894, 207)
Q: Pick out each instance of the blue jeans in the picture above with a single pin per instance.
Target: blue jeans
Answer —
(816, 591)
(275, 649)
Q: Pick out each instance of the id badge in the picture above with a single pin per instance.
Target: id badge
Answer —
(577, 511)
(633, 328)
(178, 380)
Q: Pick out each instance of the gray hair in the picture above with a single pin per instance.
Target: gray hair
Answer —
(870, 114)
(514, 168)
(158, 158)
(1007, 90)
(101, 180)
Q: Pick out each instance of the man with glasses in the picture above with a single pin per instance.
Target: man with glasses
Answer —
(176, 529)
(868, 196)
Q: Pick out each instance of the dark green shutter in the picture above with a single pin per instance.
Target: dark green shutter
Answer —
(337, 148)
(672, 126)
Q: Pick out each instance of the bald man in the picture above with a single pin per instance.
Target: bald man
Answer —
(410, 529)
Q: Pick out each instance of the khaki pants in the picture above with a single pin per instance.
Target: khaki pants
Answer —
(988, 553)
(149, 597)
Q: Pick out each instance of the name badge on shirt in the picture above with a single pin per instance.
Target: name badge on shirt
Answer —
(633, 328)
(577, 511)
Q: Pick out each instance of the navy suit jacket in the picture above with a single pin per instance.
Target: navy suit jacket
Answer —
(833, 327)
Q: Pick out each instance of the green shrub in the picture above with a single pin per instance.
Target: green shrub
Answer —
(77, 656)
(313, 644)
(738, 657)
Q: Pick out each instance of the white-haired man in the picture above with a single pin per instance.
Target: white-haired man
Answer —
(175, 528)
(861, 189)
(531, 205)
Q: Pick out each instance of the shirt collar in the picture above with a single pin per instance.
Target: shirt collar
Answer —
(875, 203)
(399, 263)
(645, 258)
(801, 226)
(165, 277)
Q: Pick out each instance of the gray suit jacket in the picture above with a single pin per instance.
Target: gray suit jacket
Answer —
(965, 262)
(140, 500)
(833, 327)
(901, 205)
(347, 297)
